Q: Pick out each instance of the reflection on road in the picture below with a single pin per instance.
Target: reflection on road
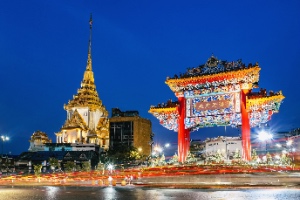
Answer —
(133, 192)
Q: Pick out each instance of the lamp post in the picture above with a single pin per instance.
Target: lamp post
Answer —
(140, 149)
(265, 137)
(3, 139)
(290, 148)
(159, 150)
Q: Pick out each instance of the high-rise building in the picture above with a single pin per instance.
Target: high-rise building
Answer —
(128, 129)
(87, 118)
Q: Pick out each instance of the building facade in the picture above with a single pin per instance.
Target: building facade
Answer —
(129, 129)
(227, 146)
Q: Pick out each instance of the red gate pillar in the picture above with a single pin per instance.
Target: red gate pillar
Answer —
(187, 142)
(183, 134)
(246, 143)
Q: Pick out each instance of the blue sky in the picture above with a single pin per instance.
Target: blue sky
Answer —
(136, 45)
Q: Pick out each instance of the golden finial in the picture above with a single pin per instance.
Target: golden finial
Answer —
(91, 21)
(89, 61)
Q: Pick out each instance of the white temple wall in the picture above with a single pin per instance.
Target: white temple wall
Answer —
(70, 136)
(95, 116)
(84, 136)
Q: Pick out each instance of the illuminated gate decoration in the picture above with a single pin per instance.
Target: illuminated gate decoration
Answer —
(217, 93)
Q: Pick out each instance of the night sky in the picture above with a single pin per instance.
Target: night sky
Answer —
(135, 46)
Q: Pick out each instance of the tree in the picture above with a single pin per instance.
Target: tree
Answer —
(78, 168)
(162, 160)
(37, 170)
(219, 157)
(190, 158)
(86, 166)
(237, 154)
(123, 153)
(69, 166)
(4, 164)
(53, 163)
(269, 158)
(285, 160)
(174, 159)
(135, 155)
(100, 168)
(254, 156)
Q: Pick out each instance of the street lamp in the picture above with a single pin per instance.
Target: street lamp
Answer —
(110, 167)
(3, 139)
(290, 148)
(158, 149)
(289, 142)
(265, 137)
(140, 149)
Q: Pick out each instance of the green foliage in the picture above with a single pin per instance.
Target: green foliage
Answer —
(190, 158)
(100, 168)
(37, 170)
(121, 154)
(135, 155)
(215, 158)
(4, 163)
(174, 159)
(78, 168)
(53, 163)
(69, 166)
(158, 161)
(237, 154)
(86, 166)
(269, 158)
(254, 156)
(285, 159)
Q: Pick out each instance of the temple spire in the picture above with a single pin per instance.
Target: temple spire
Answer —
(89, 60)
(88, 76)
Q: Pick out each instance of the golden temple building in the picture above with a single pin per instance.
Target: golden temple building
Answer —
(38, 141)
(87, 118)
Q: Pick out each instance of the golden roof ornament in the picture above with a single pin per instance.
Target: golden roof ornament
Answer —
(76, 121)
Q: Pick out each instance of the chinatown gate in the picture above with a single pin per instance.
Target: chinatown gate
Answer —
(217, 93)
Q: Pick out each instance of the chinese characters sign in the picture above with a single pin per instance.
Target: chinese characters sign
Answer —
(212, 105)
(213, 110)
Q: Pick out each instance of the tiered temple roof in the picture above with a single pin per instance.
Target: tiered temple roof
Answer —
(87, 95)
